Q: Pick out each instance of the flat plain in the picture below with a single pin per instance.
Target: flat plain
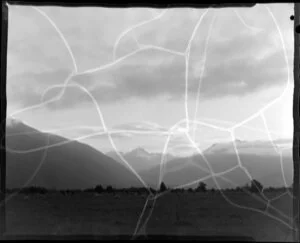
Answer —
(185, 213)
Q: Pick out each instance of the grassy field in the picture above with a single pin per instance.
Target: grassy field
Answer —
(173, 213)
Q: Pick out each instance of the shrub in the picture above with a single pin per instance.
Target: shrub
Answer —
(109, 189)
(190, 190)
(99, 189)
(34, 189)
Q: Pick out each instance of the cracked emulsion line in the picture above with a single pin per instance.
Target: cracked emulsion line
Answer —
(136, 40)
(202, 72)
(133, 28)
(225, 172)
(98, 109)
(61, 36)
(162, 164)
(109, 136)
(245, 170)
(240, 165)
(168, 140)
(82, 138)
(138, 43)
(216, 174)
(244, 126)
(171, 51)
(255, 29)
(279, 196)
(104, 132)
(58, 129)
(140, 219)
(143, 227)
(7, 198)
(276, 148)
(99, 112)
(229, 201)
(40, 104)
(145, 47)
(138, 227)
(208, 164)
(220, 174)
(287, 82)
(186, 55)
(239, 159)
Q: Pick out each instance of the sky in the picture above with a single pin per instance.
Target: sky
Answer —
(137, 72)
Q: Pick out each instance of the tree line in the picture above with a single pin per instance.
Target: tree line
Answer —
(254, 187)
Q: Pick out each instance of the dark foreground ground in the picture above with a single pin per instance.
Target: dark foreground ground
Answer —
(188, 214)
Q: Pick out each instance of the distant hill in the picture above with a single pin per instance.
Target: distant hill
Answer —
(70, 165)
(258, 157)
(74, 165)
(140, 159)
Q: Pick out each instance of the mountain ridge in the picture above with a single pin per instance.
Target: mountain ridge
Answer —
(78, 165)
(71, 165)
(139, 158)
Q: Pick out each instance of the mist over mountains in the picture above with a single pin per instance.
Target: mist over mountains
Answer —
(51, 161)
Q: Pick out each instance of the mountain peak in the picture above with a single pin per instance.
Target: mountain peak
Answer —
(223, 146)
(140, 151)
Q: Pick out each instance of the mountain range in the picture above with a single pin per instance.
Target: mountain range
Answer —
(140, 159)
(254, 160)
(57, 162)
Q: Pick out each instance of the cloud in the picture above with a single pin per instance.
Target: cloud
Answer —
(91, 133)
(27, 88)
(140, 126)
(104, 136)
(235, 68)
(239, 61)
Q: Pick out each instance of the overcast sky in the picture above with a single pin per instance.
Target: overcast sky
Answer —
(132, 65)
